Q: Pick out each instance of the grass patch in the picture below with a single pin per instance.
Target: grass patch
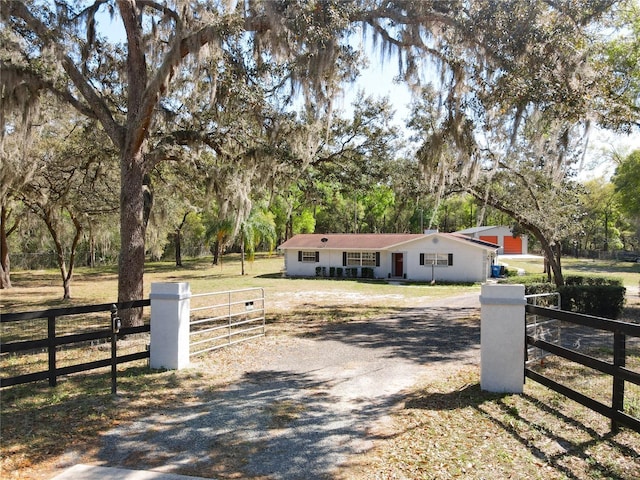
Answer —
(41, 289)
(626, 271)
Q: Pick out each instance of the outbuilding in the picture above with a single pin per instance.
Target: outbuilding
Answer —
(510, 244)
(432, 256)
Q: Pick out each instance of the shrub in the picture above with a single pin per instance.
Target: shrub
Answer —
(525, 279)
(339, 272)
(575, 280)
(539, 287)
(318, 271)
(367, 272)
(599, 300)
(533, 284)
(599, 296)
(332, 271)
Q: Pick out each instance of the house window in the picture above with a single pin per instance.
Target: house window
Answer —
(309, 256)
(437, 259)
(364, 259)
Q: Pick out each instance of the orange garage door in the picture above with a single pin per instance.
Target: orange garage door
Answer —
(512, 245)
(489, 238)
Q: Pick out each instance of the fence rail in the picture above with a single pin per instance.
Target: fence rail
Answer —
(616, 369)
(51, 341)
(226, 318)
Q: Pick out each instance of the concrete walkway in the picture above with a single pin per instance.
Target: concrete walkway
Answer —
(91, 472)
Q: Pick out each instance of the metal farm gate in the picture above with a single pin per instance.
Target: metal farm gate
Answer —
(219, 319)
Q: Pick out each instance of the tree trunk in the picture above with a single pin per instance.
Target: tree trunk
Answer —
(288, 233)
(62, 264)
(5, 262)
(92, 248)
(65, 273)
(177, 240)
(242, 256)
(216, 252)
(552, 257)
(132, 237)
(66, 285)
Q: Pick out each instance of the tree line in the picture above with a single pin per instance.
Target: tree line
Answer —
(221, 117)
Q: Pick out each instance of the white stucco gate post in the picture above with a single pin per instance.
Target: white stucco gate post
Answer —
(502, 338)
(170, 305)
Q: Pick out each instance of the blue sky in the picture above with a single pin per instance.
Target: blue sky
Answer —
(377, 80)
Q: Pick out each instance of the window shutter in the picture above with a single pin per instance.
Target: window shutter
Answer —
(299, 255)
(317, 257)
(344, 259)
(450, 262)
(377, 259)
(422, 259)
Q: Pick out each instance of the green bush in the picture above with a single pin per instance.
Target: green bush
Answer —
(539, 287)
(351, 272)
(599, 296)
(332, 271)
(525, 279)
(576, 280)
(367, 272)
(533, 284)
(599, 300)
(339, 272)
(318, 271)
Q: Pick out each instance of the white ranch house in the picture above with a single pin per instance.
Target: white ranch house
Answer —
(419, 257)
(500, 235)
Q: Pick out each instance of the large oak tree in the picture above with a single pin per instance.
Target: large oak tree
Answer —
(513, 56)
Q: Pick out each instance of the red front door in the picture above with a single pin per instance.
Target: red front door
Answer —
(398, 264)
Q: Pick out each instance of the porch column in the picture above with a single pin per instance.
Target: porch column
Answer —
(502, 338)
(170, 304)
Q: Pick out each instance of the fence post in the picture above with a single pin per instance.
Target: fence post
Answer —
(619, 360)
(170, 305)
(502, 338)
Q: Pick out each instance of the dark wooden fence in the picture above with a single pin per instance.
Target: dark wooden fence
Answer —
(616, 369)
(51, 341)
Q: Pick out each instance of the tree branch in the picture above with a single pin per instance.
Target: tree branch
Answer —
(50, 38)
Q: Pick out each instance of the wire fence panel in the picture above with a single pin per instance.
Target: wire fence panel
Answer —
(219, 319)
(542, 328)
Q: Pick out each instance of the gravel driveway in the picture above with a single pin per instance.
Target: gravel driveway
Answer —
(302, 406)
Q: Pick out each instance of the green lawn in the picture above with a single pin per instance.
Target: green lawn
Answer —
(629, 272)
(35, 290)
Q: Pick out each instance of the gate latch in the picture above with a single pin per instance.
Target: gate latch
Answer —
(116, 323)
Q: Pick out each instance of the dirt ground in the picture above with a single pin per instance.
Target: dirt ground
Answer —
(300, 401)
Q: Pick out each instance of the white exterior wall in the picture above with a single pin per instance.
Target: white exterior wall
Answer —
(470, 263)
(525, 244)
(500, 232)
(329, 258)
